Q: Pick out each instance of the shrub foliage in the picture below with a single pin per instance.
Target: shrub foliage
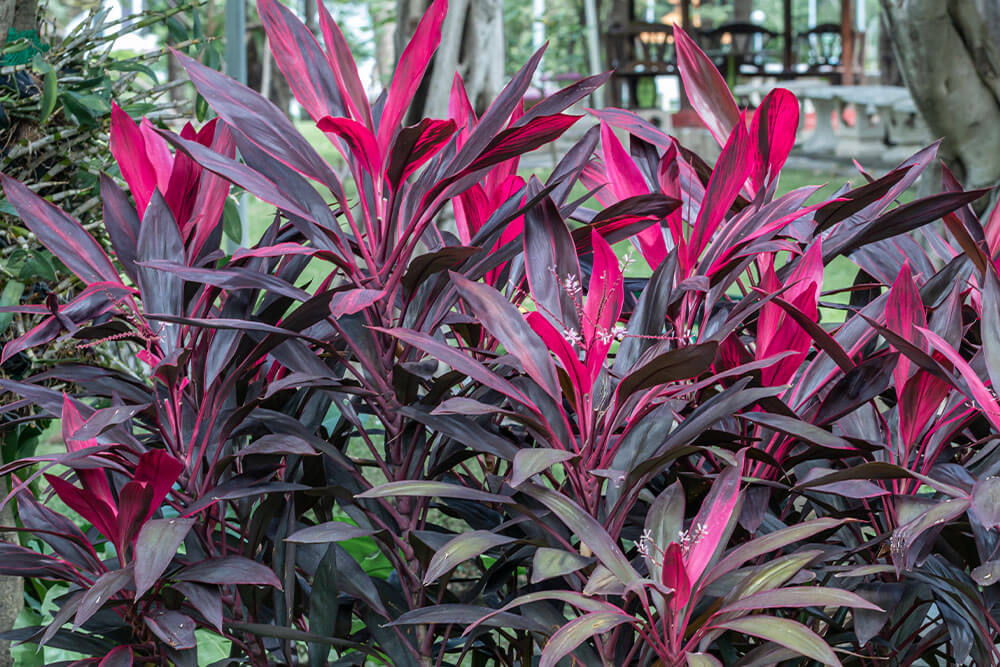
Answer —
(432, 417)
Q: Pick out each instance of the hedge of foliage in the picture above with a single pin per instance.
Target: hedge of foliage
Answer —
(369, 439)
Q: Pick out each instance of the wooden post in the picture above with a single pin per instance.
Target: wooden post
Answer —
(686, 26)
(847, 42)
(788, 36)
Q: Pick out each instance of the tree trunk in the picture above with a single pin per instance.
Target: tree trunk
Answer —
(950, 62)
(384, 24)
(11, 588)
(26, 15)
(6, 19)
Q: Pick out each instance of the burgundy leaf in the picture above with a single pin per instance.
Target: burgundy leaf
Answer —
(362, 148)
(155, 547)
(352, 91)
(509, 328)
(172, 627)
(61, 234)
(414, 146)
(300, 59)
(120, 656)
(229, 570)
(353, 301)
(706, 89)
(516, 141)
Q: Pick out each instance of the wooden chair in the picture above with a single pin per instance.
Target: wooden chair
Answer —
(741, 49)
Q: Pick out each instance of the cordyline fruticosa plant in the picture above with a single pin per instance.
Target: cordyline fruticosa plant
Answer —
(436, 418)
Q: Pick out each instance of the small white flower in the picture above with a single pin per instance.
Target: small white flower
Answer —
(571, 335)
(618, 332)
(572, 285)
(644, 543)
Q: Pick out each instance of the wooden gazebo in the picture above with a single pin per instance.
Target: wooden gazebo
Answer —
(638, 49)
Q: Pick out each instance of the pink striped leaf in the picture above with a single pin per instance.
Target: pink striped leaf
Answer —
(301, 60)
(772, 135)
(410, 71)
(338, 53)
(706, 89)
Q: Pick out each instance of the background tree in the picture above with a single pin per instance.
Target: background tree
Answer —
(948, 55)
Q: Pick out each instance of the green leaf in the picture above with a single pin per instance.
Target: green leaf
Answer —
(765, 544)
(428, 489)
(702, 660)
(530, 462)
(589, 530)
(548, 563)
(790, 634)
(462, 548)
(565, 640)
(50, 94)
(232, 223)
(11, 296)
(800, 596)
(332, 531)
(133, 66)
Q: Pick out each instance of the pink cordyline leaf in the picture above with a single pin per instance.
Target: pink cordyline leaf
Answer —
(472, 209)
(776, 331)
(300, 59)
(134, 501)
(674, 574)
(158, 153)
(128, 146)
(625, 180)
(515, 141)
(772, 134)
(564, 351)
(460, 109)
(724, 186)
(414, 146)
(604, 304)
(87, 505)
(904, 314)
(410, 71)
(213, 190)
(977, 390)
(95, 481)
(709, 525)
(706, 89)
(363, 149)
(184, 176)
(160, 470)
(338, 54)
(918, 403)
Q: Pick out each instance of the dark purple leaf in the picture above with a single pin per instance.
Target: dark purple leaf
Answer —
(229, 570)
(61, 234)
(155, 547)
(174, 628)
(504, 321)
